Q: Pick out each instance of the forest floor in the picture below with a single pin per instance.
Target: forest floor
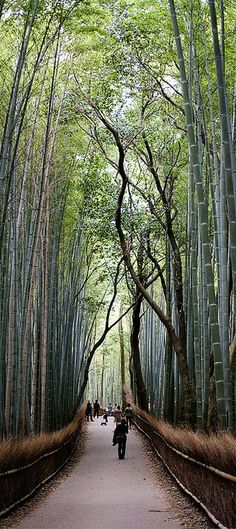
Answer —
(99, 491)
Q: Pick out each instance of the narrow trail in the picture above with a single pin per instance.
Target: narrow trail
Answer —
(103, 492)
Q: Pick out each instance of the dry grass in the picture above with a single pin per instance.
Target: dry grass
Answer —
(25, 455)
(14, 454)
(217, 450)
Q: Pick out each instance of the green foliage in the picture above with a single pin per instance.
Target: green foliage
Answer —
(111, 60)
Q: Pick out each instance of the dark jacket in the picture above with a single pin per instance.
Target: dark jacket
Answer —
(120, 432)
(88, 410)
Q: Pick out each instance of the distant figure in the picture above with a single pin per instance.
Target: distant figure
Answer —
(96, 408)
(117, 414)
(104, 419)
(109, 409)
(120, 438)
(114, 409)
(128, 415)
(88, 411)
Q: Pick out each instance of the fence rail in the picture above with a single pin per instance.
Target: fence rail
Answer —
(19, 484)
(212, 489)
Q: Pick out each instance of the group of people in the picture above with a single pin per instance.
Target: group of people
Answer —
(123, 422)
(92, 411)
(126, 415)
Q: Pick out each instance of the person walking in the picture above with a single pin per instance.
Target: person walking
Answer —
(128, 415)
(96, 408)
(117, 414)
(120, 438)
(114, 409)
(88, 411)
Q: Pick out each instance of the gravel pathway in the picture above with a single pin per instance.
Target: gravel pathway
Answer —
(103, 492)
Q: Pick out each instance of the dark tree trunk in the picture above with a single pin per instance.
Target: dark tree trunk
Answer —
(2, 2)
(135, 353)
(131, 374)
(122, 358)
(189, 404)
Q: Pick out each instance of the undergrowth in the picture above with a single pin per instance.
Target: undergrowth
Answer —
(217, 494)
(14, 453)
(217, 450)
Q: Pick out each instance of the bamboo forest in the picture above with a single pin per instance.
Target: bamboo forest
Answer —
(118, 210)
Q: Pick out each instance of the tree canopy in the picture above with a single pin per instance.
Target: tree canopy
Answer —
(117, 216)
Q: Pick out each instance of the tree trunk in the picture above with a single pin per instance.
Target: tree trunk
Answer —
(135, 353)
(122, 358)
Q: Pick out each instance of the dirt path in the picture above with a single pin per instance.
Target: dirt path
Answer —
(103, 492)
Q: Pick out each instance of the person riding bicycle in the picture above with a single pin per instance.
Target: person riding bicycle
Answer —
(119, 437)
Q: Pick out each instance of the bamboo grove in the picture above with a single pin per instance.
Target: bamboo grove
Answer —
(118, 196)
(43, 327)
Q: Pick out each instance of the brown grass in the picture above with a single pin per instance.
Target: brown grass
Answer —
(32, 469)
(14, 454)
(217, 450)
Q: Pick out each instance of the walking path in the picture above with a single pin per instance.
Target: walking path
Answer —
(103, 492)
